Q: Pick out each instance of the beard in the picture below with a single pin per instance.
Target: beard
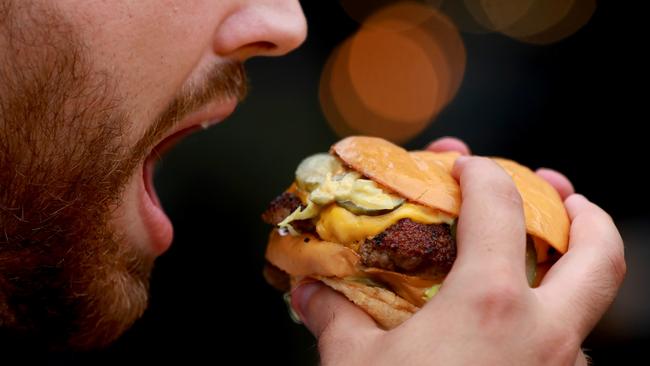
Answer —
(67, 276)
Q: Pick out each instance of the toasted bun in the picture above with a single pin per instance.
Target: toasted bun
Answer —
(425, 177)
(546, 217)
(388, 309)
(393, 167)
(422, 177)
(306, 255)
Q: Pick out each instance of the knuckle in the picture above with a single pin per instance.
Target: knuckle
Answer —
(501, 191)
(597, 219)
(592, 218)
(610, 246)
(505, 190)
(495, 181)
(497, 302)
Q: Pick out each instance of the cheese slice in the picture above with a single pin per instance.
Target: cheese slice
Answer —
(339, 225)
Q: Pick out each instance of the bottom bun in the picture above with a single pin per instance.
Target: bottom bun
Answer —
(386, 308)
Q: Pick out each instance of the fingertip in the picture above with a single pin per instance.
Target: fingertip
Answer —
(320, 307)
(459, 165)
(302, 295)
(575, 203)
(445, 144)
(559, 181)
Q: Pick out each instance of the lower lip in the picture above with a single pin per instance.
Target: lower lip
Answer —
(158, 226)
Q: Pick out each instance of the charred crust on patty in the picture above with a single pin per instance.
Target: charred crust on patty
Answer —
(412, 248)
(281, 207)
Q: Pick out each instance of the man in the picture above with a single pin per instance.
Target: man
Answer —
(89, 92)
(92, 91)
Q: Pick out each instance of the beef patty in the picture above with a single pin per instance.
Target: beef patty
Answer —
(411, 247)
(406, 246)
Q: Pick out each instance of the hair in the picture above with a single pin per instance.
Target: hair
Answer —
(67, 277)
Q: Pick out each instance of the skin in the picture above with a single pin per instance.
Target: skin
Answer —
(471, 322)
(88, 91)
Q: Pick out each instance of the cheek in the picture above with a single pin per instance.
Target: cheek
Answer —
(147, 49)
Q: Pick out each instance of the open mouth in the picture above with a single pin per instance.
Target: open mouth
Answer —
(156, 154)
(157, 223)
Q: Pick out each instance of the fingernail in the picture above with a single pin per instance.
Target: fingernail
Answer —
(301, 295)
(458, 164)
(462, 159)
(292, 312)
(575, 196)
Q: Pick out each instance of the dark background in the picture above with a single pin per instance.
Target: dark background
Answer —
(570, 106)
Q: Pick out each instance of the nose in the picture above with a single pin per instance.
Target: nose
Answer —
(261, 28)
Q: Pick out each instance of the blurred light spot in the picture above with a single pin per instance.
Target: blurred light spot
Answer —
(464, 20)
(345, 111)
(533, 21)
(542, 16)
(497, 15)
(394, 75)
(359, 10)
(577, 17)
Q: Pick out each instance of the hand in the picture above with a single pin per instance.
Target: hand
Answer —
(485, 313)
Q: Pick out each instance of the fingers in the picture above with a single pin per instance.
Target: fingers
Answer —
(445, 144)
(561, 183)
(491, 232)
(582, 284)
(325, 312)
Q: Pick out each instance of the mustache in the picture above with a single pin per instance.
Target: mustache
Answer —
(223, 82)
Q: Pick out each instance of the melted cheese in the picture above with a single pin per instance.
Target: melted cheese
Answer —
(339, 225)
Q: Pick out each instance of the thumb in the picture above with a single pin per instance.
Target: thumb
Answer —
(329, 315)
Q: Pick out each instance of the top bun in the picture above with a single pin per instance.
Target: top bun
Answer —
(425, 178)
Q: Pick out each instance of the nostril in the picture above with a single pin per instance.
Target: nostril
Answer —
(264, 46)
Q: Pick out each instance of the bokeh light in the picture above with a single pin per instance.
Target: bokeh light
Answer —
(577, 17)
(393, 76)
(360, 10)
(498, 15)
(532, 21)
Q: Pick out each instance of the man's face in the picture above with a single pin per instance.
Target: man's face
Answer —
(91, 92)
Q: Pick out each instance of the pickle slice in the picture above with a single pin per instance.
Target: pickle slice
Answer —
(360, 210)
(312, 170)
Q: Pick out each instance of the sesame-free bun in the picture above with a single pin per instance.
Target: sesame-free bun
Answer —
(386, 308)
(546, 217)
(393, 167)
(306, 255)
(425, 177)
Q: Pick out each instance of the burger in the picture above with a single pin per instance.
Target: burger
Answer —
(378, 224)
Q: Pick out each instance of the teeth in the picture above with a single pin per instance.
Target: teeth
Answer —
(205, 125)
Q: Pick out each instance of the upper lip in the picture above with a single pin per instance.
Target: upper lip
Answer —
(208, 115)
